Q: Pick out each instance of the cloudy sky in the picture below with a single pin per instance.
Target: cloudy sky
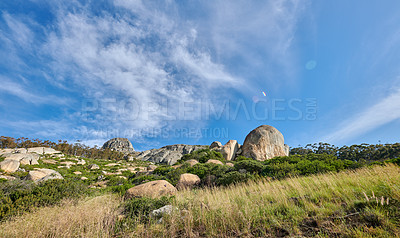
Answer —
(167, 72)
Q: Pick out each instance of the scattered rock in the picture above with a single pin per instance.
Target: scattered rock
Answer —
(187, 181)
(49, 161)
(7, 177)
(214, 161)
(168, 154)
(151, 167)
(84, 178)
(9, 165)
(68, 163)
(229, 150)
(101, 184)
(192, 162)
(77, 172)
(165, 210)
(264, 142)
(40, 175)
(93, 166)
(230, 164)
(151, 189)
(215, 145)
(119, 144)
(82, 162)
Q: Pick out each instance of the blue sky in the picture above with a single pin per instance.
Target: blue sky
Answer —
(167, 72)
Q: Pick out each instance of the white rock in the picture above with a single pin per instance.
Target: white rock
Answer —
(9, 165)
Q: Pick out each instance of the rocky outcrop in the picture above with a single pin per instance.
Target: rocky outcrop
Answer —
(229, 150)
(43, 150)
(214, 161)
(264, 142)
(119, 144)
(9, 165)
(151, 189)
(23, 158)
(187, 181)
(215, 145)
(41, 175)
(169, 154)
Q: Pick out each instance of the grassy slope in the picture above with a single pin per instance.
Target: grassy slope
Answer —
(324, 205)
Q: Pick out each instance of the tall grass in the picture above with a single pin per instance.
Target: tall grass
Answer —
(94, 217)
(319, 205)
(360, 203)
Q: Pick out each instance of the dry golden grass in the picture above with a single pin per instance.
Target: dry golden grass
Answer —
(94, 217)
(264, 208)
(319, 205)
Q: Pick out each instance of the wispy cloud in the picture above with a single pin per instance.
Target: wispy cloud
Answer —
(137, 63)
(18, 90)
(379, 114)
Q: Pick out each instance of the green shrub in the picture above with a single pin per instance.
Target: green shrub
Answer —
(139, 179)
(241, 158)
(233, 177)
(19, 196)
(138, 209)
(252, 166)
(203, 156)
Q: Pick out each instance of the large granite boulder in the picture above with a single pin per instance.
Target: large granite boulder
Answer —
(119, 144)
(9, 165)
(264, 142)
(41, 175)
(229, 150)
(151, 189)
(169, 154)
(187, 181)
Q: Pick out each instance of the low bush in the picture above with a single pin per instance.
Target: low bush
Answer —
(203, 156)
(252, 166)
(233, 177)
(19, 196)
(138, 209)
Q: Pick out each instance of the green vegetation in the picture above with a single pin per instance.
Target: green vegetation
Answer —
(203, 156)
(19, 196)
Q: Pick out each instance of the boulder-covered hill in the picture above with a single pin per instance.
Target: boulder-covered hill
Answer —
(264, 142)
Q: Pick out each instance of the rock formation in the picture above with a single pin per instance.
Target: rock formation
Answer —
(169, 154)
(264, 142)
(229, 150)
(215, 145)
(187, 181)
(9, 165)
(151, 189)
(119, 144)
(41, 175)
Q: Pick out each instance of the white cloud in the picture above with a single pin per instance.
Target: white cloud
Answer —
(27, 95)
(146, 55)
(379, 114)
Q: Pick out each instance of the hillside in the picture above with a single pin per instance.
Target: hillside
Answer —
(360, 203)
